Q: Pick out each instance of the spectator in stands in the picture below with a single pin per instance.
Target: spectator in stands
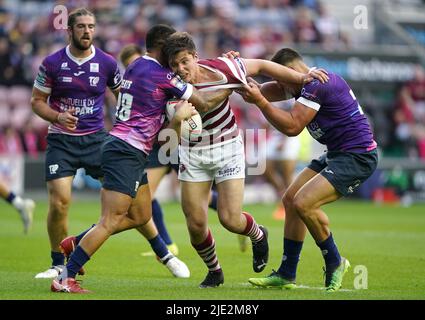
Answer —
(304, 29)
(29, 34)
(10, 142)
(410, 114)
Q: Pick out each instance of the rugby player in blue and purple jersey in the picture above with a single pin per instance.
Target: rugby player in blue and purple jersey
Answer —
(333, 116)
(125, 197)
(69, 92)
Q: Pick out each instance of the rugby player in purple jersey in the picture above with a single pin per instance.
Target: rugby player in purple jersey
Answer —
(333, 117)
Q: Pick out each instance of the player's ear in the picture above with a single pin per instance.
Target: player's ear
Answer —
(195, 55)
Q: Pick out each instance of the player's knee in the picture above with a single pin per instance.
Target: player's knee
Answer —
(228, 220)
(141, 220)
(59, 204)
(300, 206)
(288, 199)
(110, 224)
(196, 226)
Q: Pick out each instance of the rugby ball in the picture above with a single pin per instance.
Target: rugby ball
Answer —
(190, 128)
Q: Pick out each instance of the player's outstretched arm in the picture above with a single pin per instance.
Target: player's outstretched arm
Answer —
(206, 100)
(290, 122)
(42, 109)
(274, 91)
(276, 71)
(253, 65)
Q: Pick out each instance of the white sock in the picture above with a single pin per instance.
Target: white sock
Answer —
(18, 202)
(167, 257)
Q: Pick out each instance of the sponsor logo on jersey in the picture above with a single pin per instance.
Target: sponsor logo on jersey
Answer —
(94, 81)
(79, 73)
(94, 67)
(64, 66)
(66, 79)
(308, 95)
(117, 78)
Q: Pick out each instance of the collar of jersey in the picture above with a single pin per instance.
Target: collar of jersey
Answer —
(80, 61)
(222, 81)
(150, 58)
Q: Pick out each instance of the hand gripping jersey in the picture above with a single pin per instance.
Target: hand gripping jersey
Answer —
(219, 124)
(79, 83)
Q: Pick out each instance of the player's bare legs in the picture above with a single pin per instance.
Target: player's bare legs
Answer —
(307, 202)
(155, 176)
(230, 201)
(294, 228)
(114, 219)
(148, 230)
(4, 192)
(302, 201)
(59, 192)
(25, 207)
(195, 197)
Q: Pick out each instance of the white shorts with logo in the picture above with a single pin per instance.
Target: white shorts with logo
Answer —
(217, 162)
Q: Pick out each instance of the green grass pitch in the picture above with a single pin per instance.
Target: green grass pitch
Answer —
(389, 241)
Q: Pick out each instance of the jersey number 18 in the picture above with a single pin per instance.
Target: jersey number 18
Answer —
(124, 104)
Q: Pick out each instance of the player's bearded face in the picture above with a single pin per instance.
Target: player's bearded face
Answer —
(82, 32)
(185, 65)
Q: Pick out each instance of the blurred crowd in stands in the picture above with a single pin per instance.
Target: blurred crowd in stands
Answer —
(256, 28)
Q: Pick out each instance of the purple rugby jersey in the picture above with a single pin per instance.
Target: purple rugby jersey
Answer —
(340, 123)
(79, 83)
(145, 90)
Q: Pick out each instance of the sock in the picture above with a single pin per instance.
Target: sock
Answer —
(158, 219)
(15, 200)
(206, 251)
(213, 204)
(82, 234)
(252, 230)
(58, 258)
(159, 247)
(77, 259)
(290, 258)
(330, 253)
(10, 197)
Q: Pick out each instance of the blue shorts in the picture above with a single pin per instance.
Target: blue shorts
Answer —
(157, 159)
(346, 170)
(123, 166)
(65, 154)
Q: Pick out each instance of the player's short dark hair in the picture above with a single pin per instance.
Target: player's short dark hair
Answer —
(73, 15)
(156, 36)
(178, 42)
(128, 51)
(286, 56)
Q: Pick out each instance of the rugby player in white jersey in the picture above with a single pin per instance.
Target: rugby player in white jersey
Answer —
(217, 155)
